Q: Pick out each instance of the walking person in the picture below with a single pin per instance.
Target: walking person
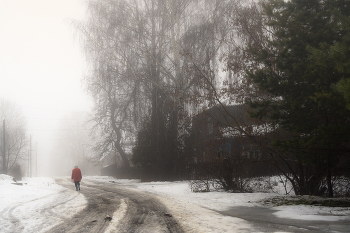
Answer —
(76, 177)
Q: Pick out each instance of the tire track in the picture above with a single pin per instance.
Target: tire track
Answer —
(91, 219)
(140, 212)
(64, 197)
(13, 213)
(144, 213)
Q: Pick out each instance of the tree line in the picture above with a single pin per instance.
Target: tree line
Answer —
(155, 64)
(14, 140)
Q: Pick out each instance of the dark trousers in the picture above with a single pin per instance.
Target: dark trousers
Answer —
(77, 185)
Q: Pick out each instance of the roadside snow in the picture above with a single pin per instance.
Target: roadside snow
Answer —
(196, 211)
(37, 205)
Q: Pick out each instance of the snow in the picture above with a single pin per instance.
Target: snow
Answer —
(30, 205)
(37, 205)
(313, 213)
(117, 216)
(197, 212)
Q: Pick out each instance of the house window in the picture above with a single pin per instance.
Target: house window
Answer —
(245, 154)
(251, 152)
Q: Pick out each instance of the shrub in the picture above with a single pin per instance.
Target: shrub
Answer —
(16, 172)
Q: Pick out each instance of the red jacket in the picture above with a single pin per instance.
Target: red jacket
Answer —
(76, 175)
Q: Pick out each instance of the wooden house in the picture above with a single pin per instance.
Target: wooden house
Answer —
(227, 133)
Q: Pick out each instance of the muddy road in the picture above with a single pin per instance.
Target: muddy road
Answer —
(134, 211)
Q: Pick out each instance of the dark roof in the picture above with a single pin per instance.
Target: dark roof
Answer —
(227, 115)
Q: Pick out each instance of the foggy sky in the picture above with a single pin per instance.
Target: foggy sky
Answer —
(41, 66)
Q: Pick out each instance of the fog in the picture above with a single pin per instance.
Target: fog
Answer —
(41, 67)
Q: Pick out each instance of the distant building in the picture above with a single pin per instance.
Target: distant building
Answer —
(112, 166)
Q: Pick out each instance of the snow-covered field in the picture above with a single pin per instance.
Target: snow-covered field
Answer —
(40, 201)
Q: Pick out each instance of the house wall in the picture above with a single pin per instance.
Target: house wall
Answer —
(247, 155)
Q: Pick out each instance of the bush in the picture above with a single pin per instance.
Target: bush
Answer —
(204, 185)
(341, 186)
(16, 172)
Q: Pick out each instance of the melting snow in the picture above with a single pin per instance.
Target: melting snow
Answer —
(40, 204)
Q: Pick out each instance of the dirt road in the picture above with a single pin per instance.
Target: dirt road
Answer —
(139, 212)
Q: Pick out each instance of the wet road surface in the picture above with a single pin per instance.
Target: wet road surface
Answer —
(143, 213)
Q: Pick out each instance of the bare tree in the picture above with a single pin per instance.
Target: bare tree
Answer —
(114, 80)
(218, 69)
(73, 145)
(148, 56)
(16, 140)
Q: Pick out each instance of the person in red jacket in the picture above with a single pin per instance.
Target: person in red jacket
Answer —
(76, 177)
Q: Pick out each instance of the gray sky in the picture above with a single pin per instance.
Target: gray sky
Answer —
(41, 64)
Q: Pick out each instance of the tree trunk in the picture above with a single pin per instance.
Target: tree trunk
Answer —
(117, 145)
(122, 155)
(329, 177)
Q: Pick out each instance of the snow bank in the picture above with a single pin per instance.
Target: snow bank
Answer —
(6, 179)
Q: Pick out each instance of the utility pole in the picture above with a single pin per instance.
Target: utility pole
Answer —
(30, 156)
(36, 158)
(4, 167)
(83, 159)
